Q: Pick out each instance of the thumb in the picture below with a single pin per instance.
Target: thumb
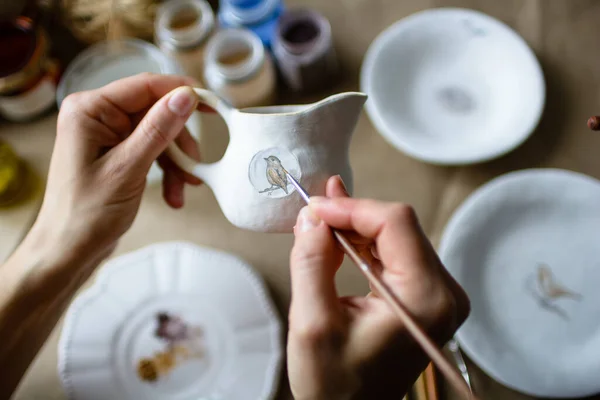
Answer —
(314, 261)
(160, 126)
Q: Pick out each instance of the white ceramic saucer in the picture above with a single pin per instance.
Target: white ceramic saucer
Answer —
(452, 86)
(232, 348)
(525, 247)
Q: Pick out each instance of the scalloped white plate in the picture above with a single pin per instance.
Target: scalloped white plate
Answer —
(511, 244)
(111, 327)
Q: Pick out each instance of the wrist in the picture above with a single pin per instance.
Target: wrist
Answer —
(53, 249)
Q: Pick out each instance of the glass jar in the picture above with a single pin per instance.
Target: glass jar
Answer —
(12, 175)
(28, 77)
(239, 69)
(181, 31)
(304, 52)
(260, 16)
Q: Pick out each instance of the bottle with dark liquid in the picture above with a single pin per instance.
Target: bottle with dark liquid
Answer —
(28, 76)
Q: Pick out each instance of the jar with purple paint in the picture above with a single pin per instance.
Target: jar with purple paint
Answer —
(304, 51)
(259, 16)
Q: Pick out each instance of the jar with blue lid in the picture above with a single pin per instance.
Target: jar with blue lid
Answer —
(260, 16)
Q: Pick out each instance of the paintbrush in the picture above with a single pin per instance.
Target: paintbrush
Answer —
(420, 336)
(431, 383)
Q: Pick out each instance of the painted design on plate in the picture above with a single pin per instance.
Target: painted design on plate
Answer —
(182, 343)
(547, 291)
(456, 100)
(267, 172)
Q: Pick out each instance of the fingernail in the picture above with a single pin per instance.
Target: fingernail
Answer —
(183, 101)
(344, 188)
(375, 252)
(307, 220)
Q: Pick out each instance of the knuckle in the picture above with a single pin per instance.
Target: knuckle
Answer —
(153, 132)
(72, 100)
(448, 311)
(463, 306)
(317, 331)
(116, 169)
(147, 75)
(403, 212)
(71, 104)
(71, 113)
(303, 257)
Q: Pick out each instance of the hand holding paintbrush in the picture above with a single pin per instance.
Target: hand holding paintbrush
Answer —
(370, 346)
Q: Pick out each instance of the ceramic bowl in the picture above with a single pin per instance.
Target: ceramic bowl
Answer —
(525, 249)
(453, 86)
(172, 321)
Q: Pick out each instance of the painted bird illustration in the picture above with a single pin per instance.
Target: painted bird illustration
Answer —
(550, 288)
(276, 175)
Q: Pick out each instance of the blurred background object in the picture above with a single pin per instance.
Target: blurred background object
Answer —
(303, 48)
(260, 16)
(13, 176)
(239, 69)
(95, 20)
(182, 29)
(28, 76)
(10, 9)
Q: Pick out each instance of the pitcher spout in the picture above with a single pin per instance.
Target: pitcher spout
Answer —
(341, 111)
(343, 104)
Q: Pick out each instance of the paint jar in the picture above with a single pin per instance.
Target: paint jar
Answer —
(260, 16)
(182, 29)
(239, 69)
(12, 175)
(304, 52)
(28, 77)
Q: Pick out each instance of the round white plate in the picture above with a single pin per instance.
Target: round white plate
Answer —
(233, 350)
(526, 249)
(452, 86)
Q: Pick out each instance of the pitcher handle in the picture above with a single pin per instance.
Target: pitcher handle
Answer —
(185, 162)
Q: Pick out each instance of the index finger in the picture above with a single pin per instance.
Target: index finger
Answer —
(138, 92)
(401, 243)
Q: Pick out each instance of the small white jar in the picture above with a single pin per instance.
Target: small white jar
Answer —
(239, 70)
(182, 29)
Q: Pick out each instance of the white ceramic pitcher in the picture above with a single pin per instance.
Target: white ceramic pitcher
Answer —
(310, 141)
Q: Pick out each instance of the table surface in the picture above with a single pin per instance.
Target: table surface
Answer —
(563, 33)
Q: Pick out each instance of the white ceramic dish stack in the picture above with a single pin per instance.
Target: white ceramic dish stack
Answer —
(525, 248)
(111, 326)
(452, 86)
